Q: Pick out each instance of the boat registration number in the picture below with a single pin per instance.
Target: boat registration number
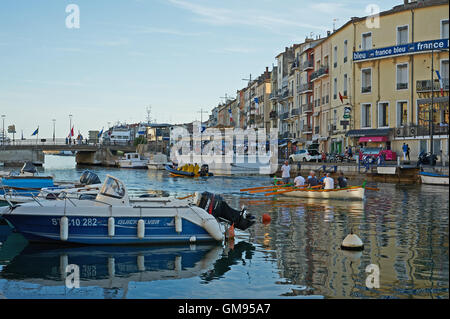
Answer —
(85, 222)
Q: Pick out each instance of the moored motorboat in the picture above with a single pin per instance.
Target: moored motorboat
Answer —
(175, 172)
(132, 160)
(111, 218)
(434, 178)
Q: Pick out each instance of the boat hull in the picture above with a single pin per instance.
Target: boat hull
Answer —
(351, 193)
(434, 180)
(93, 230)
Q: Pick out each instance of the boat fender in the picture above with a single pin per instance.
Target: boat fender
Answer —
(141, 229)
(193, 239)
(64, 228)
(111, 227)
(213, 228)
(141, 262)
(111, 266)
(352, 242)
(178, 224)
(178, 265)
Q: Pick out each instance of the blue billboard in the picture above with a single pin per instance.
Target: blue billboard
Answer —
(410, 48)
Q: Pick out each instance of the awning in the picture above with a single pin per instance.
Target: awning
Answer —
(373, 139)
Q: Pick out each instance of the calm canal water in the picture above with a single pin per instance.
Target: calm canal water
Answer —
(404, 229)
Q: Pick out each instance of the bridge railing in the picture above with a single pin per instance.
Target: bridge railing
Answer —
(62, 141)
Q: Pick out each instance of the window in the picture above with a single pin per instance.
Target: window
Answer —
(444, 29)
(383, 111)
(335, 57)
(345, 51)
(335, 88)
(345, 84)
(366, 80)
(365, 115)
(402, 35)
(444, 73)
(402, 76)
(366, 43)
(402, 113)
(335, 118)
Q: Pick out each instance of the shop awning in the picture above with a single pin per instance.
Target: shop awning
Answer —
(368, 132)
(373, 139)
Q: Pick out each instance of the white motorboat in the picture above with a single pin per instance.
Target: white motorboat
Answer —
(132, 160)
(434, 179)
(111, 218)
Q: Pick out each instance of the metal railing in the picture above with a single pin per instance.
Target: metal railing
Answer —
(425, 85)
(413, 130)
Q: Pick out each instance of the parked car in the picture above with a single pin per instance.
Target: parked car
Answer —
(377, 151)
(305, 156)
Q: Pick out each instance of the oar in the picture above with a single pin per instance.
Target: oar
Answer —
(263, 187)
(268, 189)
(186, 196)
(291, 190)
(372, 188)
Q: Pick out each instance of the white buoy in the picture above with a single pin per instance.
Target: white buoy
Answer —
(193, 239)
(64, 228)
(141, 229)
(352, 242)
(111, 227)
(111, 267)
(178, 224)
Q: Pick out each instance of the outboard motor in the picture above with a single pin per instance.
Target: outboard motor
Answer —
(204, 170)
(215, 205)
(89, 178)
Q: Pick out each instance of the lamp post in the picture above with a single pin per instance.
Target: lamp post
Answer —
(3, 128)
(70, 127)
(54, 120)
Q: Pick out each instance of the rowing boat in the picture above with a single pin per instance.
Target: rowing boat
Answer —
(349, 193)
(433, 178)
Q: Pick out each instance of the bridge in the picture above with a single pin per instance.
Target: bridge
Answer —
(17, 152)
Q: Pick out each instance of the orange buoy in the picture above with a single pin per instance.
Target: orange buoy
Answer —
(266, 219)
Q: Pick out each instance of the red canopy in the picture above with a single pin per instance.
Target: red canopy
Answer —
(373, 139)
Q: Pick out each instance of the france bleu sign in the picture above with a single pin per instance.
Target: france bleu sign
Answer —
(410, 48)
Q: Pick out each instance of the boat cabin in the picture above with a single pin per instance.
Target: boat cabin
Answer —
(113, 192)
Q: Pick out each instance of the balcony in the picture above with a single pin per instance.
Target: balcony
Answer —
(273, 96)
(295, 111)
(295, 65)
(413, 130)
(316, 129)
(425, 85)
(273, 114)
(322, 71)
(284, 115)
(307, 107)
(307, 130)
(309, 64)
(303, 88)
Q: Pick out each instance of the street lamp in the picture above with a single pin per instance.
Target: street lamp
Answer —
(3, 128)
(70, 127)
(54, 120)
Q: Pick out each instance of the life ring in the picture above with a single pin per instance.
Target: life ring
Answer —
(413, 131)
(398, 131)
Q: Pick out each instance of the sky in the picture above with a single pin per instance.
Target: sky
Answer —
(176, 56)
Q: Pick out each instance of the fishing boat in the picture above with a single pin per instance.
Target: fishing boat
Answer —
(132, 160)
(434, 178)
(174, 172)
(347, 193)
(112, 219)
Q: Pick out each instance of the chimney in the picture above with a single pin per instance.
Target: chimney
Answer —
(329, 32)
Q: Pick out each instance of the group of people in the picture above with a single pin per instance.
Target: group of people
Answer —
(406, 150)
(326, 182)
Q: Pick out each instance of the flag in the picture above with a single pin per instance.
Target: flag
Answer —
(256, 102)
(100, 133)
(71, 132)
(231, 114)
(342, 97)
(36, 132)
(440, 82)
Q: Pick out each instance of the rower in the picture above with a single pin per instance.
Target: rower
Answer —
(312, 180)
(328, 182)
(342, 181)
(299, 181)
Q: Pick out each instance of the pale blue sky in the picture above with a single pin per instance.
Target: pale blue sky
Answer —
(176, 55)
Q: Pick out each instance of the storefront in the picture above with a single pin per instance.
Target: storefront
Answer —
(370, 138)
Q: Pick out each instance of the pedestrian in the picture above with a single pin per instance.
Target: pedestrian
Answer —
(350, 152)
(342, 181)
(405, 150)
(328, 182)
(324, 157)
(285, 172)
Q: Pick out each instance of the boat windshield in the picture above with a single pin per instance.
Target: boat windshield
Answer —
(113, 188)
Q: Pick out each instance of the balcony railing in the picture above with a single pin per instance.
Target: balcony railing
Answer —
(273, 96)
(402, 86)
(323, 70)
(307, 65)
(366, 89)
(284, 115)
(295, 111)
(307, 130)
(302, 88)
(413, 130)
(307, 107)
(316, 129)
(273, 114)
(425, 85)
